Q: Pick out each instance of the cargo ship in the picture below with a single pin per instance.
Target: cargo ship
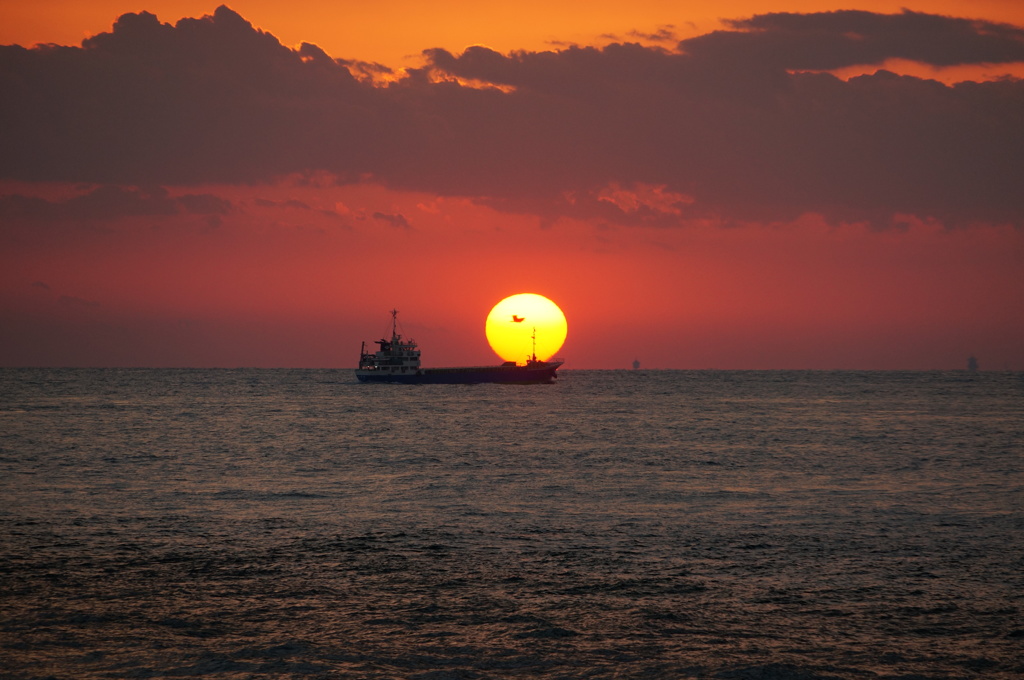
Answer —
(398, 361)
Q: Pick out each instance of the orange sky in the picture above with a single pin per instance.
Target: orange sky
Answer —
(297, 270)
(394, 33)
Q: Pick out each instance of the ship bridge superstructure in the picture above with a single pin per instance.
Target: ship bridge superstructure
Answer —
(395, 356)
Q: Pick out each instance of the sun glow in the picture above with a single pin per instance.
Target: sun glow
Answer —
(516, 322)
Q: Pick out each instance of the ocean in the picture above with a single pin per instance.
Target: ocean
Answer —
(769, 525)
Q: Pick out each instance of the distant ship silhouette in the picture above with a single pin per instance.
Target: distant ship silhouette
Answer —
(972, 364)
(636, 364)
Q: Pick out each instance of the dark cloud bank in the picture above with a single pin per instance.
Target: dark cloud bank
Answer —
(730, 120)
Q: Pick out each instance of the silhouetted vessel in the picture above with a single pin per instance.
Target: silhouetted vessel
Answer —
(972, 364)
(398, 361)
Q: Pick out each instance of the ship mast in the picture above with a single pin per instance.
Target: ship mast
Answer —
(394, 323)
(534, 338)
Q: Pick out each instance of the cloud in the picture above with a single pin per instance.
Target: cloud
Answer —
(367, 71)
(664, 34)
(209, 99)
(110, 203)
(751, 145)
(729, 120)
(831, 40)
(397, 221)
(335, 213)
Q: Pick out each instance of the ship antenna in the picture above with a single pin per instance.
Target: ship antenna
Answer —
(394, 323)
(534, 338)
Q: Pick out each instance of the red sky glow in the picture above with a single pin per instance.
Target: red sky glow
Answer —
(765, 186)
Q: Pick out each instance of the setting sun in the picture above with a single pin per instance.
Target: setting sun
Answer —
(514, 322)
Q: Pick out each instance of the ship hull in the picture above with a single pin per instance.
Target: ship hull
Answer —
(510, 375)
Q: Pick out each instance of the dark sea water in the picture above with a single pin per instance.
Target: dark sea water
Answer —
(648, 524)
